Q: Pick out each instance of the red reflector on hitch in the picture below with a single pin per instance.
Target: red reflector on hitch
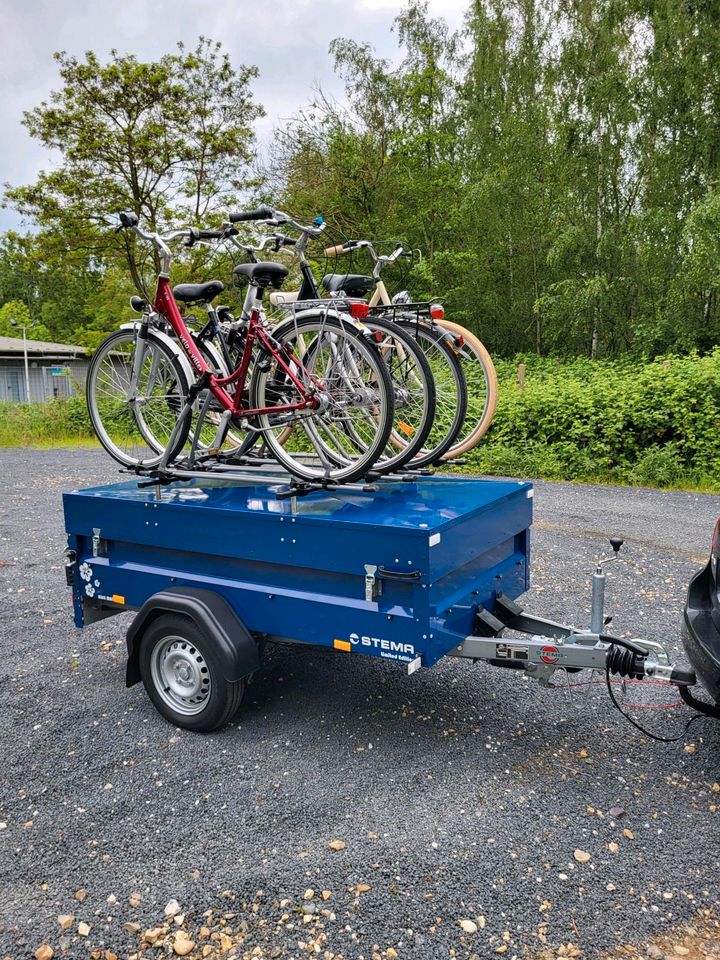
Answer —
(437, 311)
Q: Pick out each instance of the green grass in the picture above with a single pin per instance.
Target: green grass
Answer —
(58, 423)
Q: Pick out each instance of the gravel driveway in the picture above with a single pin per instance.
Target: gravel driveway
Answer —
(461, 793)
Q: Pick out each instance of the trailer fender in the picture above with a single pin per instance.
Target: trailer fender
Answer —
(235, 645)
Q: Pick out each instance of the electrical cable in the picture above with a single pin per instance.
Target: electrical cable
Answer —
(638, 726)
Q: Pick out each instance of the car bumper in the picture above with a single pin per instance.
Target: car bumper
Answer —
(700, 634)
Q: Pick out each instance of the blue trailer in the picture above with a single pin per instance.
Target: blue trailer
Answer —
(405, 571)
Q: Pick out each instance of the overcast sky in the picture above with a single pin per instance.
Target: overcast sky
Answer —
(287, 39)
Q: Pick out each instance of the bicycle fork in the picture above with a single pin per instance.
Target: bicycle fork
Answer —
(141, 345)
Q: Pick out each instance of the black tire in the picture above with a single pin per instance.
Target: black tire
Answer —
(123, 427)
(411, 370)
(217, 699)
(452, 397)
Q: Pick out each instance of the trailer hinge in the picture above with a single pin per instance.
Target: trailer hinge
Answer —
(373, 584)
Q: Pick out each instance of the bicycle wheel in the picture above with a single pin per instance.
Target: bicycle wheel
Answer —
(134, 421)
(414, 393)
(451, 390)
(482, 388)
(344, 435)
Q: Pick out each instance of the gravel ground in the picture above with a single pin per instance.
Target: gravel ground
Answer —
(460, 793)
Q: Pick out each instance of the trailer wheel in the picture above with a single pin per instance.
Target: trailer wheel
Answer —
(181, 673)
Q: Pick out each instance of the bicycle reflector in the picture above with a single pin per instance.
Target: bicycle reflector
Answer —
(359, 310)
(437, 311)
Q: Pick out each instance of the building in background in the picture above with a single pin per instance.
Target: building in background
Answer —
(53, 369)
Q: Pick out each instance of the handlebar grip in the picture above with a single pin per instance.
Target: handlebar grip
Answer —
(286, 241)
(341, 248)
(262, 213)
(128, 218)
(194, 234)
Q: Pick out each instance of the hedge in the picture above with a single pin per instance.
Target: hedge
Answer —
(655, 423)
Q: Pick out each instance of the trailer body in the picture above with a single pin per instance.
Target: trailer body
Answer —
(398, 572)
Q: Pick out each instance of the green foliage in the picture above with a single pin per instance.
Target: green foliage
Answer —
(560, 169)
(558, 165)
(169, 140)
(58, 422)
(14, 315)
(652, 423)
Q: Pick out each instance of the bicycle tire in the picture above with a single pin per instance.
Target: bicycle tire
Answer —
(400, 450)
(127, 417)
(369, 395)
(450, 384)
(473, 354)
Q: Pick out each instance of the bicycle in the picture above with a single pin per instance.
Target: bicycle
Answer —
(426, 447)
(410, 371)
(338, 387)
(478, 368)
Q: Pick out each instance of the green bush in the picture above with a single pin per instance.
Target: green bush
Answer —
(44, 424)
(654, 423)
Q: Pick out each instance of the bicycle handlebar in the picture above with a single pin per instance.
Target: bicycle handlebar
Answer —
(349, 245)
(279, 239)
(261, 213)
(277, 218)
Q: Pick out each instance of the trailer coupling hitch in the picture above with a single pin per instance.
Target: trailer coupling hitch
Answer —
(551, 645)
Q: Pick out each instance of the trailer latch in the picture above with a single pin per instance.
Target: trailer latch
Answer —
(96, 542)
(70, 561)
(373, 585)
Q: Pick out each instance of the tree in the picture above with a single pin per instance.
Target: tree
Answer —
(170, 140)
(14, 315)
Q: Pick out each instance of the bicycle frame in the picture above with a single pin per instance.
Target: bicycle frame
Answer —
(165, 305)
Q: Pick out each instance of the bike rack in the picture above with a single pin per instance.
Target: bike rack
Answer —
(263, 471)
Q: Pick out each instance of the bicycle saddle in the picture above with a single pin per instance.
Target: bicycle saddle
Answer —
(263, 274)
(198, 292)
(353, 284)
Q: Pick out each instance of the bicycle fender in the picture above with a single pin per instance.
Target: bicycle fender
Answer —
(212, 614)
(188, 369)
(216, 357)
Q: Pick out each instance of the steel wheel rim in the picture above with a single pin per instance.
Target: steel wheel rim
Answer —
(180, 675)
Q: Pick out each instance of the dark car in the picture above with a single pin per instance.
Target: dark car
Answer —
(701, 623)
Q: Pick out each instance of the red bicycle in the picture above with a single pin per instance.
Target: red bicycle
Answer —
(315, 388)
